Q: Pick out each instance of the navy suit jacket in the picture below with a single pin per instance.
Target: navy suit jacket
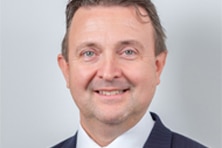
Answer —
(160, 137)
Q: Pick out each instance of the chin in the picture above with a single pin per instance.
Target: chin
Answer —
(113, 117)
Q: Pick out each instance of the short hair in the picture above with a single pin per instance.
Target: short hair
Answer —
(147, 5)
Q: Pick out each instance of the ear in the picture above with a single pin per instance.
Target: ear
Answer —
(160, 63)
(64, 66)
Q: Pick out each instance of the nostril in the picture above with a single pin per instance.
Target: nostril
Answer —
(109, 71)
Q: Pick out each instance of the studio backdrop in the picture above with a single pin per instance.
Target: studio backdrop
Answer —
(37, 110)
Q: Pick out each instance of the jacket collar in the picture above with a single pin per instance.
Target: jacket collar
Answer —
(160, 136)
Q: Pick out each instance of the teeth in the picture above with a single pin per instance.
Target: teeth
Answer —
(111, 93)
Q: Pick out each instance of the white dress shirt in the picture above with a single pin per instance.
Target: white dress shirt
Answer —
(133, 138)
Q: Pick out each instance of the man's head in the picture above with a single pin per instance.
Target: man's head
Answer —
(147, 5)
(112, 66)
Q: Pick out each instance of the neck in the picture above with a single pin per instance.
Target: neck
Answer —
(104, 133)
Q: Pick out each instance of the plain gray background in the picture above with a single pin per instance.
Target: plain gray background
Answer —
(37, 110)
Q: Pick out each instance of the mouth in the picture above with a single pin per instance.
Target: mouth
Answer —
(111, 92)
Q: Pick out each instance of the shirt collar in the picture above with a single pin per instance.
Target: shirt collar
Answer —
(137, 135)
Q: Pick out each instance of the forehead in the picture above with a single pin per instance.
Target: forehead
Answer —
(111, 23)
(116, 12)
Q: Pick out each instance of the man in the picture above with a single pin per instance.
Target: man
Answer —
(112, 56)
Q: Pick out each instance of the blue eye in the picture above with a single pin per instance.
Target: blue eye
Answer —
(89, 53)
(129, 52)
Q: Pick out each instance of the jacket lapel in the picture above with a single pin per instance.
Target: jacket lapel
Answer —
(160, 136)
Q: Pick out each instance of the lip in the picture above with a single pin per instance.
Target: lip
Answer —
(111, 94)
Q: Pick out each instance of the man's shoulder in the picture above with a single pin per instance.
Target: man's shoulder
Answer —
(180, 141)
(70, 142)
(169, 138)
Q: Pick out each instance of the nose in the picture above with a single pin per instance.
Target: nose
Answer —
(109, 69)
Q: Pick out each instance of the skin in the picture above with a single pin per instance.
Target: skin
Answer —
(112, 71)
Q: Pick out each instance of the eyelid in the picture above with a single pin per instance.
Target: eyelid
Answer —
(129, 48)
(85, 57)
(87, 49)
(129, 56)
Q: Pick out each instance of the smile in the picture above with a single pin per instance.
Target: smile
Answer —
(110, 93)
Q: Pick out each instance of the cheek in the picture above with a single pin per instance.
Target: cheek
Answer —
(143, 77)
(141, 74)
(145, 84)
(80, 77)
(144, 90)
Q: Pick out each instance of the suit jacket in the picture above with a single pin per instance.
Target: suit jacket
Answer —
(160, 137)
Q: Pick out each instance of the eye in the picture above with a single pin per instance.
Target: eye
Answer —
(129, 52)
(89, 53)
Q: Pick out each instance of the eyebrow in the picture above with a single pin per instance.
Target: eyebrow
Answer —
(118, 45)
(134, 43)
(87, 44)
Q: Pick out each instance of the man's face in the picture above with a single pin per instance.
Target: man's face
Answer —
(112, 71)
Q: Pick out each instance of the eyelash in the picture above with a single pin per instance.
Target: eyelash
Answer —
(87, 52)
(129, 53)
(88, 55)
